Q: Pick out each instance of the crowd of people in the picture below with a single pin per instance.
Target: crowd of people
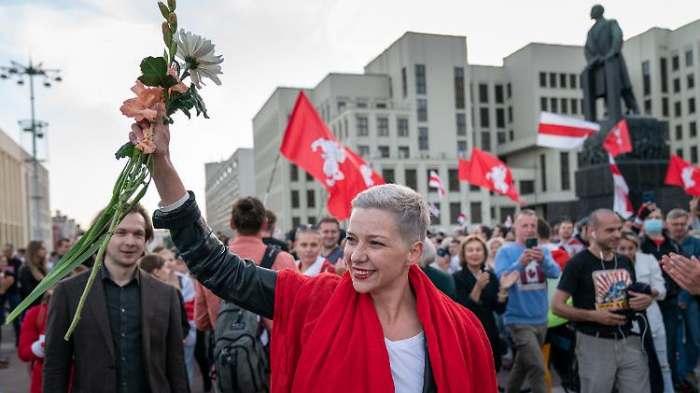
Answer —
(377, 306)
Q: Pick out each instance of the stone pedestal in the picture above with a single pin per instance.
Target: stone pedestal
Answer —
(644, 168)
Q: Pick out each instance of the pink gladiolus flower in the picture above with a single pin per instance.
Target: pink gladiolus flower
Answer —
(180, 87)
(143, 105)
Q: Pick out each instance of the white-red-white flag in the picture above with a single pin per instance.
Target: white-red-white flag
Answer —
(434, 210)
(563, 132)
(434, 181)
(509, 222)
(462, 219)
(621, 201)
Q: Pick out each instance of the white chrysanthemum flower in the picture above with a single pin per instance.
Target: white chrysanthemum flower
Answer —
(198, 55)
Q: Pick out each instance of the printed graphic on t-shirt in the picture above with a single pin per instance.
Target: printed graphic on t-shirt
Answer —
(532, 278)
(611, 288)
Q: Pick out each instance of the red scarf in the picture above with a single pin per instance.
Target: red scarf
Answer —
(327, 338)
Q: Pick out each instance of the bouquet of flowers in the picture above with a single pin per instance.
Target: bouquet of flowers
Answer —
(160, 92)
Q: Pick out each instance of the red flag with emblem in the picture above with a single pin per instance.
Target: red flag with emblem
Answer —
(310, 144)
(490, 172)
(618, 139)
(684, 174)
(463, 170)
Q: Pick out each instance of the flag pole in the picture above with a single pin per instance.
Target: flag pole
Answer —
(272, 176)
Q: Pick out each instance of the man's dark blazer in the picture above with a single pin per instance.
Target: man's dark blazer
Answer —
(91, 350)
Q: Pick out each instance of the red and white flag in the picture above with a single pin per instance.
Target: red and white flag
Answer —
(434, 210)
(435, 182)
(618, 140)
(310, 144)
(621, 201)
(490, 172)
(684, 174)
(563, 132)
(462, 219)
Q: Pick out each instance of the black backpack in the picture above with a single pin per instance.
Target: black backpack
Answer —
(240, 358)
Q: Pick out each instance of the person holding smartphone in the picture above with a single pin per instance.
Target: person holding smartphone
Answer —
(526, 312)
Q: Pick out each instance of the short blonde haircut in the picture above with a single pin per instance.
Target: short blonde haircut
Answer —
(463, 246)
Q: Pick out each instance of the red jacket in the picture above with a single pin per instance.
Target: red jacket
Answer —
(34, 324)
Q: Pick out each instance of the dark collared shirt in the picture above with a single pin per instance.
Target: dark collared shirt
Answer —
(124, 311)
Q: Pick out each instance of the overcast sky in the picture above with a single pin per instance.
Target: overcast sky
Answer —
(98, 46)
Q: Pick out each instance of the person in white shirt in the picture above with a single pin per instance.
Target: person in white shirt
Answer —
(308, 244)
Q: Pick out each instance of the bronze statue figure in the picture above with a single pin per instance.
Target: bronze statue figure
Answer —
(605, 74)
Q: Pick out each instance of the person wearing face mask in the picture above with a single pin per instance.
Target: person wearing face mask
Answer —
(657, 242)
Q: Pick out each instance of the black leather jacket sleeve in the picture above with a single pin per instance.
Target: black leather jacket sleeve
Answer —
(213, 265)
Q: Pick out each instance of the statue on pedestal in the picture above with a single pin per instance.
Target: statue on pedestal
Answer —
(606, 74)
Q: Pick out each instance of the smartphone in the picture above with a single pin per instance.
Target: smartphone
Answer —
(530, 243)
(648, 196)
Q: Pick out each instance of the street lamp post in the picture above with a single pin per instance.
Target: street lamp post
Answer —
(33, 126)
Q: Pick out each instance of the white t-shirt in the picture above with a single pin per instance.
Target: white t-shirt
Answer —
(407, 361)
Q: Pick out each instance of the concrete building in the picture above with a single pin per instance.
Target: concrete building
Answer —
(227, 181)
(16, 207)
(64, 227)
(419, 106)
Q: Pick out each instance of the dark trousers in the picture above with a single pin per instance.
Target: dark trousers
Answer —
(670, 312)
(201, 355)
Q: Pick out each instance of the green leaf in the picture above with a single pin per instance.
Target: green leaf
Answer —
(154, 72)
(163, 10)
(198, 102)
(126, 151)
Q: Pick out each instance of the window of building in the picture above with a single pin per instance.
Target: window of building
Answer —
(501, 137)
(693, 127)
(486, 141)
(679, 152)
(676, 85)
(679, 132)
(383, 151)
(574, 106)
(423, 138)
(510, 114)
(293, 172)
(453, 179)
(411, 178)
(459, 87)
(500, 118)
(296, 222)
(564, 167)
(461, 124)
(527, 187)
(565, 106)
(461, 148)
(694, 154)
(422, 109)
(511, 135)
(388, 175)
(543, 79)
(646, 77)
(363, 151)
(509, 89)
(361, 104)
(295, 199)
(664, 107)
(677, 109)
(691, 105)
(362, 126)
(562, 81)
(663, 64)
(421, 88)
(690, 81)
(341, 106)
(383, 126)
(309, 178)
(554, 105)
(483, 93)
(402, 125)
(381, 105)
(404, 152)
(404, 82)
(573, 81)
(552, 79)
(455, 211)
(484, 117)
(689, 58)
(499, 94)
(310, 198)
(475, 212)
(543, 104)
(675, 63)
(543, 171)
(647, 106)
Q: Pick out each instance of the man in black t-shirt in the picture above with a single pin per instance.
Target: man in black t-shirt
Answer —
(597, 279)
